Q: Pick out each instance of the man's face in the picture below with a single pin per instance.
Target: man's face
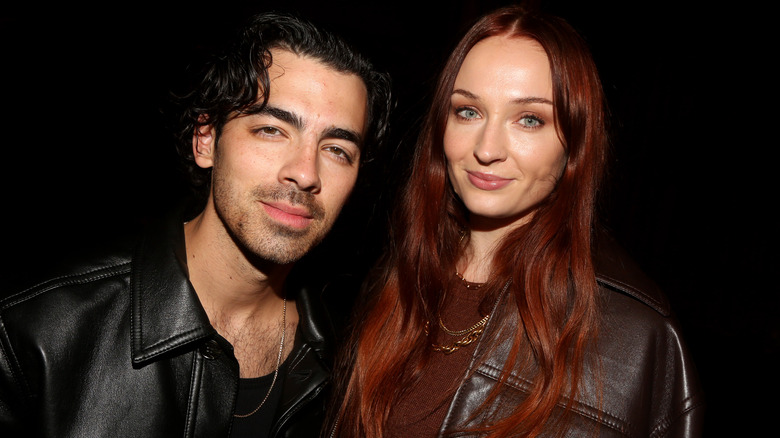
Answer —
(281, 176)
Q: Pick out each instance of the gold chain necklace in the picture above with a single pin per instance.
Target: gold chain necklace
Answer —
(479, 323)
(464, 341)
(472, 333)
(278, 362)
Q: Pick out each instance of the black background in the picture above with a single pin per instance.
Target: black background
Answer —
(691, 193)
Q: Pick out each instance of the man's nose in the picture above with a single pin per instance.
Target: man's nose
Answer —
(302, 168)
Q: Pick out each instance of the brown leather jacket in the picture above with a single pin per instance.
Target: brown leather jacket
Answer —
(649, 386)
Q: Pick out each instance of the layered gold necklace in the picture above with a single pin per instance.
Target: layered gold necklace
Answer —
(469, 335)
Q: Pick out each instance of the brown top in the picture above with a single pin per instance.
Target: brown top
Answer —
(423, 408)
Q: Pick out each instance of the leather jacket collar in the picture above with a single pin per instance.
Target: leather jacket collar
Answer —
(164, 321)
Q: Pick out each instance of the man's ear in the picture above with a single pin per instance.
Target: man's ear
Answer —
(203, 142)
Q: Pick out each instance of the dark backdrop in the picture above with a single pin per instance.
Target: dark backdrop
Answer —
(86, 153)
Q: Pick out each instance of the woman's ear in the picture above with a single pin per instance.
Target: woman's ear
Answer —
(203, 140)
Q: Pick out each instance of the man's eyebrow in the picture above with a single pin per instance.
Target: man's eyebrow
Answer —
(470, 95)
(298, 123)
(288, 117)
(344, 134)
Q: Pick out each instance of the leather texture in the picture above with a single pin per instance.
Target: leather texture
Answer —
(119, 346)
(649, 385)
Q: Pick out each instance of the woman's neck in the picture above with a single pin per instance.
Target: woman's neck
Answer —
(477, 256)
(483, 240)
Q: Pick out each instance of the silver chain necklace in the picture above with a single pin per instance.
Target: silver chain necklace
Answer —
(278, 362)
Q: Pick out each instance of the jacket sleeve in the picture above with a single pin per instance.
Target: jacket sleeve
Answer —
(688, 424)
(678, 405)
(11, 396)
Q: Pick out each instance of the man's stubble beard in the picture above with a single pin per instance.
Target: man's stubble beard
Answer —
(259, 236)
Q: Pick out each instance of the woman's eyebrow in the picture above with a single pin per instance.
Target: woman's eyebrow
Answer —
(531, 99)
(464, 93)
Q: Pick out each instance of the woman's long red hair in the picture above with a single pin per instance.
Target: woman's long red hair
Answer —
(548, 260)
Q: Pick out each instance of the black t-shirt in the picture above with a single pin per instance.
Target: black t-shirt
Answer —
(250, 393)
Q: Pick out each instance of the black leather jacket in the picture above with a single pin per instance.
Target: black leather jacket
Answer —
(119, 346)
(649, 385)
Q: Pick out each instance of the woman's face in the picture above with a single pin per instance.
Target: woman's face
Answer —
(501, 143)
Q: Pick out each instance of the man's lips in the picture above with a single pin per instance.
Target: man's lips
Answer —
(486, 181)
(290, 215)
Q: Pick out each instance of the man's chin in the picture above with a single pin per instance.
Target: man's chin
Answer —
(286, 248)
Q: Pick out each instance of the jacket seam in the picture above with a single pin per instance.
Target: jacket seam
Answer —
(172, 344)
(305, 350)
(80, 278)
(192, 399)
(663, 426)
(626, 288)
(599, 415)
(13, 363)
(54, 283)
(298, 406)
(57, 282)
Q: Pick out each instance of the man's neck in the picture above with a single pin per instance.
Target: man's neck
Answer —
(244, 302)
(226, 282)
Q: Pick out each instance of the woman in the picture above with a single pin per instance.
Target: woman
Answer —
(499, 311)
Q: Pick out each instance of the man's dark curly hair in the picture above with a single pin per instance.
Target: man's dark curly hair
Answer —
(237, 78)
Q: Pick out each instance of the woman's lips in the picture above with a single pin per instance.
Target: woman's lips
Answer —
(290, 215)
(486, 181)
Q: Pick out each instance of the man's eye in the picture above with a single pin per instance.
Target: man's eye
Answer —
(268, 130)
(339, 153)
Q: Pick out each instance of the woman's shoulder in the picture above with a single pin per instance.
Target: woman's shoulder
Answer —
(652, 381)
(634, 311)
(617, 271)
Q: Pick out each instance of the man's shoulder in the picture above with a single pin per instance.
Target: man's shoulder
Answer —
(74, 273)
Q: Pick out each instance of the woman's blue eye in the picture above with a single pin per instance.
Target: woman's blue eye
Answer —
(467, 113)
(531, 122)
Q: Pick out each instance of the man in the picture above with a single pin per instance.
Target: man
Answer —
(195, 328)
